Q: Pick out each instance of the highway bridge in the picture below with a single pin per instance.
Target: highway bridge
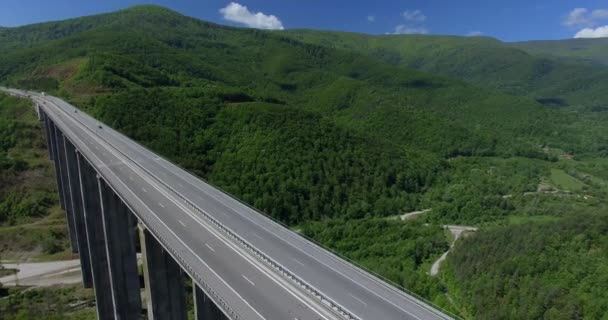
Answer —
(242, 264)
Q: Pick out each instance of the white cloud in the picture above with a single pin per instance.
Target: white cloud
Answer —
(474, 34)
(403, 29)
(600, 14)
(371, 18)
(577, 17)
(583, 17)
(414, 23)
(240, 14)
(600, 32)
(414, 16)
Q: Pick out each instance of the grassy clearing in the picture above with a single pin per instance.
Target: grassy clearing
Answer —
(530, 219)
(58, 302)
(564, 181)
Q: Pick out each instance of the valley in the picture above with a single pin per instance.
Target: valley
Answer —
(339, 135)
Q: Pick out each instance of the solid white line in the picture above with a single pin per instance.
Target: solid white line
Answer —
(177, 202)
(196, 218)
(182, 223)
(220, 201)
(298, 262)
(363, 302)
(210, 248)
(253, 284)
(173, 233)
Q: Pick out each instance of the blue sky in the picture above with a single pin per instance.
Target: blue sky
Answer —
(511, 20)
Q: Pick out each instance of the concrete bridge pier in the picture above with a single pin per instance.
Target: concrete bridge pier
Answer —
(121, 254)
(89, 187)
(45, 120)
(60, 164)
(165, 292)
(71, 157)
(205, 308)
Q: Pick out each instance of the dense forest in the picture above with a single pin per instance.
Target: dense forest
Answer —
(337, 134)
(27, 185)
(551, 270)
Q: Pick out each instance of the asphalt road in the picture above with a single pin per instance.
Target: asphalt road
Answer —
(151, 185)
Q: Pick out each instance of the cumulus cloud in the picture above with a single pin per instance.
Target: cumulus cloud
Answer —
(413, 15)
(600, 32)
(403, 29)
(414, 23)
(238, 13)
(577, 17)
(371, 18)
(474, 34)
(583, 17)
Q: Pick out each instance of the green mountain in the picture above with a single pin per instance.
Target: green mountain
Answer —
(510, 68)
(337, 133)
(151, 47)
(589, 51)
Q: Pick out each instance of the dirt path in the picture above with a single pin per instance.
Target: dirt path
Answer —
(42, 274)
(413, 214)
(457, 232)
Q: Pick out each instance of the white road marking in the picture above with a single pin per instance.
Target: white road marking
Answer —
(256, 235)
(186, 211)
(362, 302)
(253, 284)
(144, 190)
(210, 248)
(298, 262)
(180, 240)
(131, 178)
(161, 205)
(181, 222)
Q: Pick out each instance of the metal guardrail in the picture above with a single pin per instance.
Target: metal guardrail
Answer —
(309, 289)
(264, 258)
(218, 300)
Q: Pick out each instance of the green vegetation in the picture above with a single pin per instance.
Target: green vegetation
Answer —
(588, 51)
(334, 132)
(549, 270)
(53, 303)
(31, 224)
(564, 181)
(401, 252)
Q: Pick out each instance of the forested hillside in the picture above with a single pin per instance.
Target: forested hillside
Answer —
(588, 51)
(30, 221)
(339, 134)
(524, 69)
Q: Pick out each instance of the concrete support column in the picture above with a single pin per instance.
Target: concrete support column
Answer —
(64, 180)
(122, 254)
(96, 239)
(165, 293)
(53, 146)
(46, 121)
(71, 157)
(204, 308)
